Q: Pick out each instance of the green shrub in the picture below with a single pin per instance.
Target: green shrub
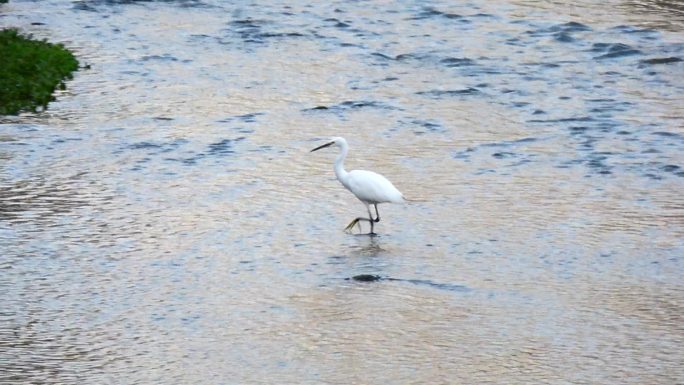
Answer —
(30, 70)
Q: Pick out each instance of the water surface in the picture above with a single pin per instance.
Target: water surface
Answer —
(164, 222)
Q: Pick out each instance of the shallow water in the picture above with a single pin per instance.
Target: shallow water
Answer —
(164, 222)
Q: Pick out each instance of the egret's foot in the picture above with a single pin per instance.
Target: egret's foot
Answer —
(351, 225)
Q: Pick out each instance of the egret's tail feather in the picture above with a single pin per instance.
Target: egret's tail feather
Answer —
(413, 200)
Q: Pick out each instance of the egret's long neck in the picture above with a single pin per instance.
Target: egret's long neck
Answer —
(340, 172)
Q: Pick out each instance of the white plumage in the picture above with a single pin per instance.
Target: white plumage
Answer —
(369, 187)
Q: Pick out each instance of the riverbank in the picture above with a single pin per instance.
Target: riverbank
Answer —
(31, 71)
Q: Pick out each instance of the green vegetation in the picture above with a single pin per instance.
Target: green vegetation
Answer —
(30, 70)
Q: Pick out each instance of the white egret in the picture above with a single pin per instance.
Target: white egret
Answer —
(371, 188)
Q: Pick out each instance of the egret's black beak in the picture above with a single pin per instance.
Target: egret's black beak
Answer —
(323, 146)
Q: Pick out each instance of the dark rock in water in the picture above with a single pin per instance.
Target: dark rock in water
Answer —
(366, 278)
(661, 60)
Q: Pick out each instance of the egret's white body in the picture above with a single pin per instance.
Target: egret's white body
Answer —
(369, 187)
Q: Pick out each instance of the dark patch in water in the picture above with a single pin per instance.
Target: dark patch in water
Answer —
(561, 32)
(410, 56)
(520, 157)
(337, 23)
(661, 60)
(436, 285)
(669, 134)
(596, 162)
(187, 161)
(429, 12)
(578, 129)
(443, 93)
(428, 58)
(144, 145)
(252, 31)
(429, 125)
(613, 50)
(351, 105)
(155, 148)
(463, 154)
(401, 57)
(249, 118)
(631, 29)
(223, 147)
(280, 34)
(457, 62)
(366, 278)
(508, 143)
(671, 168)
(246, 118)
(563, 37)
(423, 282)
(165, 57)
(361, 104)
(569, 27)
(563, 120)
(382, 56)
(503, 155)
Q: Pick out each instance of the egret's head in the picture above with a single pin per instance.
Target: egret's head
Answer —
(339, 142)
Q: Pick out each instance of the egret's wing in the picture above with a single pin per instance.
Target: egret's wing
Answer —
(372, 187)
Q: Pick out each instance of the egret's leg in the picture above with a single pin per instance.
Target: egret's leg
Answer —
(370, 219)
(377, 214)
